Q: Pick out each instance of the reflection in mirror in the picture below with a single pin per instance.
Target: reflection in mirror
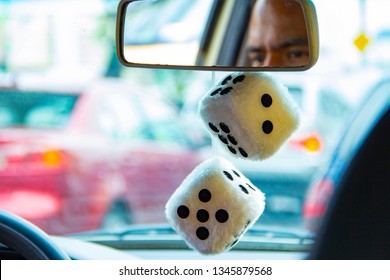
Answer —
(228, 33)
(165, 31)
(277, 34)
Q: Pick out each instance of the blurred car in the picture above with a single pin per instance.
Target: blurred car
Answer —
(77, 161)
(319, 195)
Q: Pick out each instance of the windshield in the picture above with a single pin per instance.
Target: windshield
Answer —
(35, 109)
(93, 146)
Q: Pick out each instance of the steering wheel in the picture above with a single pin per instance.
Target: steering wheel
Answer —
(27, 240)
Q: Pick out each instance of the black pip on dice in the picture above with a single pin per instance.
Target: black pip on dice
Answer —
(214, 206)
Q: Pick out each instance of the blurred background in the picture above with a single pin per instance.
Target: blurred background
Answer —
(80, 135)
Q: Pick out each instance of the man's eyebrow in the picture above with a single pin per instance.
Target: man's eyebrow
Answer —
(255, 49)
(289, 43)
(282, 45)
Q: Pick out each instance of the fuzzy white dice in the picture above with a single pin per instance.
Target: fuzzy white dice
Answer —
(214, 206)
(251, 114)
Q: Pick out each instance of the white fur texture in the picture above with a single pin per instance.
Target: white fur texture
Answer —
(244, 205)
(236, 102)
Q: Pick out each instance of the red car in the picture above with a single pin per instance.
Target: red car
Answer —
(70, 163)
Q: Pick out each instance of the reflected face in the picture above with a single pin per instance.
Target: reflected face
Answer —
(277, 34)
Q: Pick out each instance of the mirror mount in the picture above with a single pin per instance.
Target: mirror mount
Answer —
(167, 48)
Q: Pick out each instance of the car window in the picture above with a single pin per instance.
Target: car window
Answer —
(127, 117)
(35, 109)
(332, 104)
(297, 94)
(117, 118)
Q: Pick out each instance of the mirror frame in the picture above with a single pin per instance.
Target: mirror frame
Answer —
(311, 25)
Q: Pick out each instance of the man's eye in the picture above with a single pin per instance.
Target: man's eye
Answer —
(297, 57)
(295, 54)
(256, 58)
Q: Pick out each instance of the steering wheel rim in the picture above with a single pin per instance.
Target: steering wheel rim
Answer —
(27, 239)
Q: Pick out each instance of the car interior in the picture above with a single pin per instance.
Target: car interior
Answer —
(129, 132)
(342, 234)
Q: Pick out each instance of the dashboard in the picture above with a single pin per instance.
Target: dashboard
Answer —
(83, 250)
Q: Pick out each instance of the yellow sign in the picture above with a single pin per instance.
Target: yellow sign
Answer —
(361, 42)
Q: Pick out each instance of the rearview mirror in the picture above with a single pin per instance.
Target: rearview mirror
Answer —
(232, 35)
